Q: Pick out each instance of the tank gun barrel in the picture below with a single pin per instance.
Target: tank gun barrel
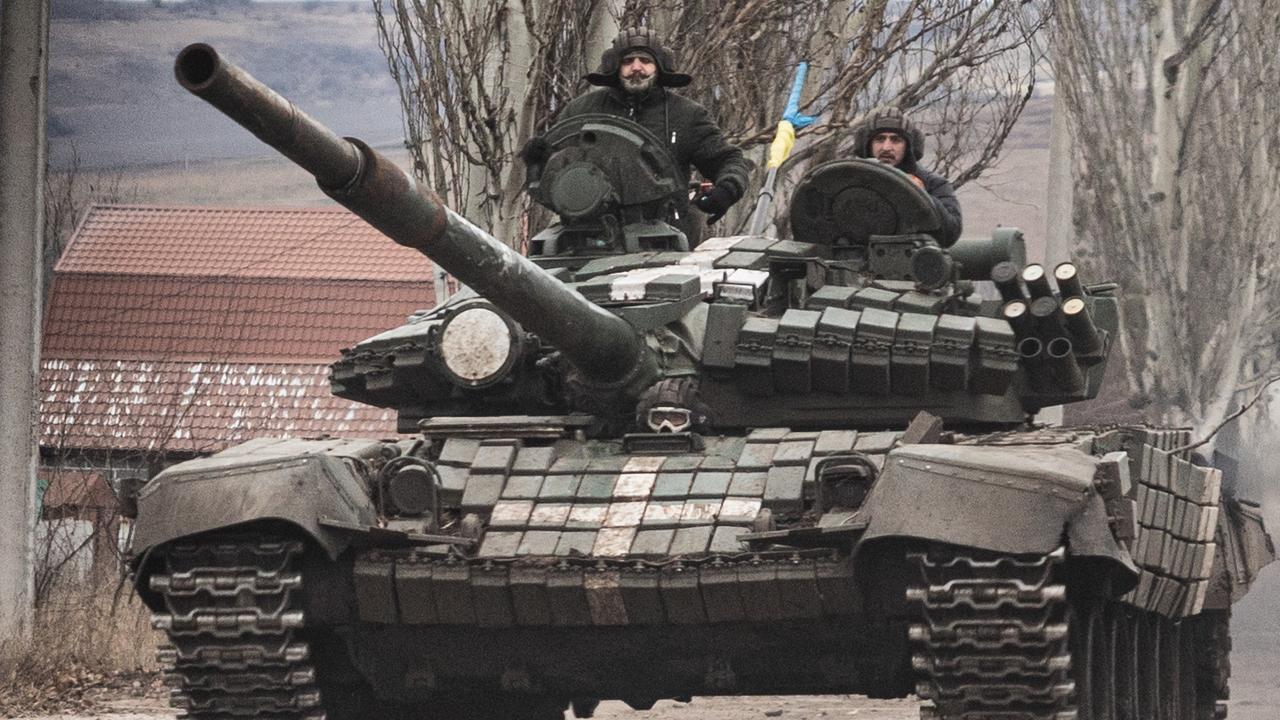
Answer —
(601, 345)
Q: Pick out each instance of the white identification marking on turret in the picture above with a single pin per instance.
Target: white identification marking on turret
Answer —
(631, 284)
(721, 243)
(748, 277)
(703, 259)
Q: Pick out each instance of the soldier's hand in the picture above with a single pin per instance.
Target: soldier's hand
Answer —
(715, 202)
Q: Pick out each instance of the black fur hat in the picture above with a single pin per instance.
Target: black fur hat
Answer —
(887, 118)
(637, 38)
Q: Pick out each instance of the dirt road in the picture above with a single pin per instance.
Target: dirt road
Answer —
(834, 707)
(1254, 705)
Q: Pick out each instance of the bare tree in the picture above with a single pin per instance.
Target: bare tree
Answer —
(1172, 108)
(478, 78)
(68, 193)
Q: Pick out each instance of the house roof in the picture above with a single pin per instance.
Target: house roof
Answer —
(230, 242)
(74, 490)
(194, 328)
(144, 406)
(228, 284)
(116, 316)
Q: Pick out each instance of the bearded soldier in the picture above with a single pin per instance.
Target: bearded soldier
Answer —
(634, 81)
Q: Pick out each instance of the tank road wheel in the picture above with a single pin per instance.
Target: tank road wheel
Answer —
(1168, 670)
(1187, 690)
(1124, 631)
(1147, 634)
(992, 636)
(1170, 650)
(1093, 660)
(1209, 646)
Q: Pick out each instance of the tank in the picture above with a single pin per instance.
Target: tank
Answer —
(630, 469)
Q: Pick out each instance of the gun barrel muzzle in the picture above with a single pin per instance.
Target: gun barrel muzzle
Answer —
(333, 161)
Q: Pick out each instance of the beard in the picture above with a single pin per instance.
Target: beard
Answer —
(637, 83)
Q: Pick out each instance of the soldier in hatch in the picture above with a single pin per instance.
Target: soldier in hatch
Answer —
(888, 136)
(634, 81)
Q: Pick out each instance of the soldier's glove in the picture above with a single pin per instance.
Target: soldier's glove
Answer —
(715, 202)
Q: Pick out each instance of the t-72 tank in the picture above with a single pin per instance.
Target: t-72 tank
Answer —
(634, 470)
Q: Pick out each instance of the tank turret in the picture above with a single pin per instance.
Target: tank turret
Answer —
(602, 346)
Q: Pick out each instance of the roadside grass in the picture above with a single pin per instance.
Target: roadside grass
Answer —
(88, 639)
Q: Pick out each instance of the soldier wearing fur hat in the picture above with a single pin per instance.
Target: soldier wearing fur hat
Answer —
(634, 81)
(888, 136)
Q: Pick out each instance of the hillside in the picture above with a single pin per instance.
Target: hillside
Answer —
(114, 104)
(113, 100)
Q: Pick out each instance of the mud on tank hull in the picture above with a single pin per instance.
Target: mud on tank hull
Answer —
(949, 578)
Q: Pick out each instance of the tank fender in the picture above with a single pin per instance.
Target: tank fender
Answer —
(1016, 500)
(304, 483)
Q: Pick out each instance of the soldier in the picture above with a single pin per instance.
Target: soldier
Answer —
(634, 81)
(888, 136)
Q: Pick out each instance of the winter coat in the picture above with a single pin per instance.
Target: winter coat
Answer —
(944, 198)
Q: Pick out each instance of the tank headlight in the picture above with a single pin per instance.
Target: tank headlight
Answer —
(478, 345)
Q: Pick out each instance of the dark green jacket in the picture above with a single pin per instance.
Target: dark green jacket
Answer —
(694, 139)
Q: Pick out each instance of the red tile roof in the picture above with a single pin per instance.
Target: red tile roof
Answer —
(194, 328)
(219, 318)
(69, 489)
(310, 244)
(143, 406)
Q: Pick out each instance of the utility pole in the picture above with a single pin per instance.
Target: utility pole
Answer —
(1059, 228)
(1059, 232)
(24, 44)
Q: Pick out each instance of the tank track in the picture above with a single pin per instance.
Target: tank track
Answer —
(999, 638)
(992, 643)
(232, 612)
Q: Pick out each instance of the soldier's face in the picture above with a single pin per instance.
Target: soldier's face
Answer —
(889, 148)
(637, 72)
